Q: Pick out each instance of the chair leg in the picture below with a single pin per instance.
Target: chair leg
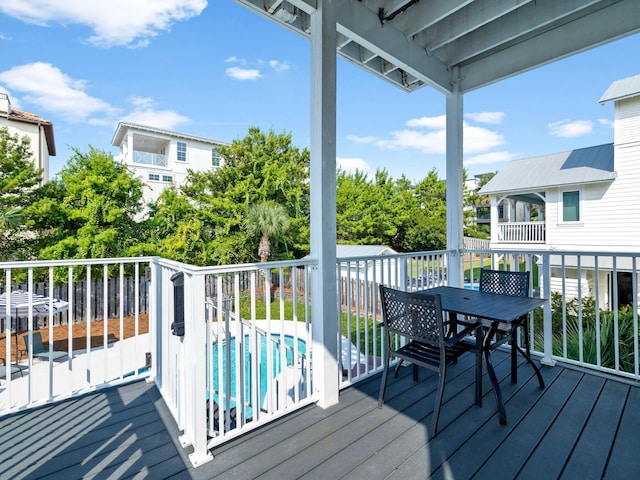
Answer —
(383, 383)
(436, 408)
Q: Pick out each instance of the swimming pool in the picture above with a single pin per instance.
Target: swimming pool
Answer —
(246, 370)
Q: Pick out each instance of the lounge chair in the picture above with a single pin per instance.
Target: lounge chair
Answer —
(12, 369)
(39, 351)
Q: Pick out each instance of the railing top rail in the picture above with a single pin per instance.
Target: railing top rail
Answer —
(242, 267)
(393, 255)
(74, 262)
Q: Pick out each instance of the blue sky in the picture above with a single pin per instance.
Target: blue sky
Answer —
(214, 69)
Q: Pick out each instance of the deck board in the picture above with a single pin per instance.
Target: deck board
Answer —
(580, 425)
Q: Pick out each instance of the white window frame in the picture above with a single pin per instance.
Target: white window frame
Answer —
(179, 151)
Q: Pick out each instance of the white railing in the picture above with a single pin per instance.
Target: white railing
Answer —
(521, 232)
(246, 354)
(592, 318)
(359, 313)
(92, 318)
(148, 158)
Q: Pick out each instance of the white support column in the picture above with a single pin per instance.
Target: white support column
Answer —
(547, 358)
(455, 186)
(323, 203)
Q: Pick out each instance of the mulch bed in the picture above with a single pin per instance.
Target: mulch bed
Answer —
(79, 335)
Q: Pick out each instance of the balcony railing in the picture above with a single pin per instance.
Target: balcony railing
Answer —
(247, 353)
(148, 158)
(521, 232)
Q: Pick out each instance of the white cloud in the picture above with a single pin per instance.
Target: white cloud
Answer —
(350, 165)
(358, 139)
(243, 73)
(144, 114)
(430, 142)
(476, 139)
(605, 122)
(493, 118)
(234, 59)
(114, 22)
(4, 37)
(59, 94)
(570, 129)
(439, 122)
(278, 66)
(488, 158)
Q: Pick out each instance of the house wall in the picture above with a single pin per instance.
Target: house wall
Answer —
(199, 158)
(35, 133)
(609, 212)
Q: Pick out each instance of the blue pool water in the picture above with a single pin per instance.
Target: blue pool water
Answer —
(248, 369)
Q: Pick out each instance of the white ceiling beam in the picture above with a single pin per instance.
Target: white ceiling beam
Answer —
(465, 21)
(517, 24)
(424, 14)
(611, 23)
(363, 26)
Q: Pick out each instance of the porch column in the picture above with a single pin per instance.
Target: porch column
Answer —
(455, 230)
(323, 203)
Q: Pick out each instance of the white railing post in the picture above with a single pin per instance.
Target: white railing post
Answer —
(155, 321)
(547, 323)
(194, 368)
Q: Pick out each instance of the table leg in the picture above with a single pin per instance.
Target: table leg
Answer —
(492, 374)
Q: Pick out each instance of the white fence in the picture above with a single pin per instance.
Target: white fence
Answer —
(521, 232)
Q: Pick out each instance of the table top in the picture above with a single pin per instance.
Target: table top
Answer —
(492, 306)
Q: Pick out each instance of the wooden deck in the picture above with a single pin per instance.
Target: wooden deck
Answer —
(580, 426)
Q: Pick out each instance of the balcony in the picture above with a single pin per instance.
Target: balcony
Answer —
(521, 232)
(148, 158)
(249, 345)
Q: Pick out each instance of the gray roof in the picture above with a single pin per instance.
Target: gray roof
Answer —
(574, 167)
(123, 127)
(346, 251)
(621, 89)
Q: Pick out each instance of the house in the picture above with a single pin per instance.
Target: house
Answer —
(36, 128)
(584, 199)
(161, 157)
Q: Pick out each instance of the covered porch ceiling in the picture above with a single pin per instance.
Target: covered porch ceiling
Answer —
(417, 43)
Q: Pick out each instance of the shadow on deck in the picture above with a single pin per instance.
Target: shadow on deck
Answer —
(580, 426)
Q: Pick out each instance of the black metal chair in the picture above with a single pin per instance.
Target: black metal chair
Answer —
(517, 284)
(418, 318)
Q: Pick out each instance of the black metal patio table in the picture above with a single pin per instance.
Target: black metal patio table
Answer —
(499, 309)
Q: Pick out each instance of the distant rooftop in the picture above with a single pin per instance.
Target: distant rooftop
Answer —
(584, 165)
(622, 89)
(122, 128)
(13, 114)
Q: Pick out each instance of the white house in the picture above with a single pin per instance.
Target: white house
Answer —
(162, 157)
(582, 200)
(36, 128)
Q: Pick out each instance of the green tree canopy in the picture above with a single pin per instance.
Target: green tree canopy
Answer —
(91, 211)
(204, 222)
(19, 188)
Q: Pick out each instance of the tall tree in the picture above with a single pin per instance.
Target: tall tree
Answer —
(269, 220)
(95, 215)
(19, 188)
(211, 228)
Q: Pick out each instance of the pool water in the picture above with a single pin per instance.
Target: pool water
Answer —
(248, 368)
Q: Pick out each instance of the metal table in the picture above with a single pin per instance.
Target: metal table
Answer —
(499, 309)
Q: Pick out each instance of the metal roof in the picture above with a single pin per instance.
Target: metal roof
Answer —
(575, 167)
(621, 89)
(459, 43)
(347, 251)
(121, 131)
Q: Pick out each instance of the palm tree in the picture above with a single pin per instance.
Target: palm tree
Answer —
(10, 218)
(269, 220)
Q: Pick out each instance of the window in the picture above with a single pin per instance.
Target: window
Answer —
(215, 158)
(571, 206)
(167, 178)
(182, 151)
(154, 177)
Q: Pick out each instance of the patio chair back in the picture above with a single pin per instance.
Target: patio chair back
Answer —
(39, 351)
(504, 282)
